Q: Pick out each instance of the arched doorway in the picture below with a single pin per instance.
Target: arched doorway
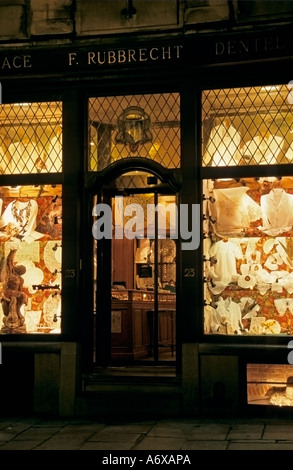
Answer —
(135, 264)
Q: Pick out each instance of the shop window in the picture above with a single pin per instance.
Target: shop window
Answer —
(247, 126)
(248, 219)
(30, 259)
(134, 126)
(31, 138)
(269, 384)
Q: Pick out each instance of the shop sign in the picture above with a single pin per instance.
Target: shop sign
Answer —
(193, 50)
(51, 61)
(251, 45)
(140, 55)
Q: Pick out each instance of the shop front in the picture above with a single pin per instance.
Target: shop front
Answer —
(77, 130)
(146, 229)
(246, 246)
(246, 189)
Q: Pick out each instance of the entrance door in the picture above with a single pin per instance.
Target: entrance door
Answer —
(135, 276)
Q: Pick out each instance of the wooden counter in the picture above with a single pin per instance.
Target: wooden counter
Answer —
(132, 328)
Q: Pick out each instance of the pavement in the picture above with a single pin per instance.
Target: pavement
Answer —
(171, 436)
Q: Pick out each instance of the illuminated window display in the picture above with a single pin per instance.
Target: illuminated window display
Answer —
(269, 384)
(248, 221)
(247, 126)
(30, 219)
(30, 264)
(31, 138)
(249, 257)
(134, 125)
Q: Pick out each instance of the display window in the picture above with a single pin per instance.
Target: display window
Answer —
(247, 126)
(31, 138)
(134, 126)
(30, 259)
(30, 218)
(269, 384)
(248, 220)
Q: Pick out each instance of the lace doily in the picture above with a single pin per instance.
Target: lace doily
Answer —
(52, 255)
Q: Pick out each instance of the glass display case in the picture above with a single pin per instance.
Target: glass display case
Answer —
(141, 296)
(144, 264)
(132, 324)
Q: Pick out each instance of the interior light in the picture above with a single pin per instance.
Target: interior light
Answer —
(270, 88)
(133, 128)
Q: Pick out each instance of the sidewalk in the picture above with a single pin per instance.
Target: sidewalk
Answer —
(33, 433)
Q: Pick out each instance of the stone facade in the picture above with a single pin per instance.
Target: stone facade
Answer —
(39, 21)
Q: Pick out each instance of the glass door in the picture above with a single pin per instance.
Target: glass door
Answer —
(143, 287)
(138, 324)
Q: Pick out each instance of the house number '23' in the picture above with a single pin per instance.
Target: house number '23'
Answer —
(189, 272)
(69, 273)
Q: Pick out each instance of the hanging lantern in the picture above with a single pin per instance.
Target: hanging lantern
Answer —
(133, 125)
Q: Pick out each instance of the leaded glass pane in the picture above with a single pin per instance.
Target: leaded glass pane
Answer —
(31, 138)
(247, 126)
(134, 126)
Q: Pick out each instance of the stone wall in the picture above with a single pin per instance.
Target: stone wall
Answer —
(65, 21)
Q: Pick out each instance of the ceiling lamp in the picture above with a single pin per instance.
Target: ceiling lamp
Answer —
(133, 128)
